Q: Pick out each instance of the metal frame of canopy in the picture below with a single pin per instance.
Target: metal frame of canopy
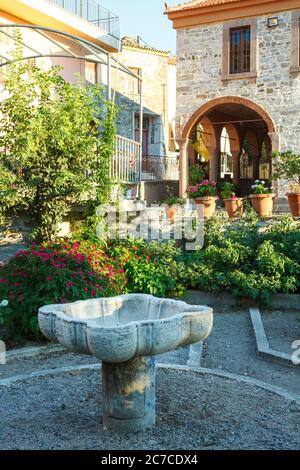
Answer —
(70, 47)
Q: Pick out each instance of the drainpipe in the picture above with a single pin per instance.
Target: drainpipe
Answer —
(141, 130)
(108, 77)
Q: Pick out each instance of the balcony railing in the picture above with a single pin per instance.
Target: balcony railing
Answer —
(126, 164)
(93, 12)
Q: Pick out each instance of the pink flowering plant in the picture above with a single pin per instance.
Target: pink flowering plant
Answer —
(205, 188)
(50, 273)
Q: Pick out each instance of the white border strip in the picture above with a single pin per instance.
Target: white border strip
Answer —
(198, 371)
(34, 351)
(262, 343)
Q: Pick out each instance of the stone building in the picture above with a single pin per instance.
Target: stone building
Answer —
(238, 87)
(158, 95)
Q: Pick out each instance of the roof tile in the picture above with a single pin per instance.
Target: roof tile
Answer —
(199, 4)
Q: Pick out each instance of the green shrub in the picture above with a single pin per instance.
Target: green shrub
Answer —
(151, 268)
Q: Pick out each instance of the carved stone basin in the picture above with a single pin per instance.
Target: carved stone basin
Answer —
(125, 333)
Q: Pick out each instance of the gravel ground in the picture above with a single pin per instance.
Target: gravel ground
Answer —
(26, 365)
(56, 360)
(204, 412)
(231, 347)
(282, 328)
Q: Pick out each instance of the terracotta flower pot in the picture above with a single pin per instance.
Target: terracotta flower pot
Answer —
(234, 207)
(294, 202)
(209, 204)
(262, 204)
(171, 212)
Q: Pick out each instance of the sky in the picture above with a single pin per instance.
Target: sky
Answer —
(146, 19)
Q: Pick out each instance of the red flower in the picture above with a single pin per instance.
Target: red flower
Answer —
(70, 285)
(94, 293)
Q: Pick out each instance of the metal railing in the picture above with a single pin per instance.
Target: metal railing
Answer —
(93, 12)
(160, 168)
(126, 163)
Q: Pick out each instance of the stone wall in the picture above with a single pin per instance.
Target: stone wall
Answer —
(199, 69)
(159, 86)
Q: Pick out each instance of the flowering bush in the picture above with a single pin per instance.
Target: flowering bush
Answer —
(203, 189)
(54, 273)
(261, 187)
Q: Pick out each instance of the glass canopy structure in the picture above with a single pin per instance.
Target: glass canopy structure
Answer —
(53, 46)
(39, 41)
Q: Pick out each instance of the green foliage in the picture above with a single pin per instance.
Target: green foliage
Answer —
(228, 190)
(286, 165)
(247, 262)
(171, 198)
(196, 174)
(151, 268)
(56, 144)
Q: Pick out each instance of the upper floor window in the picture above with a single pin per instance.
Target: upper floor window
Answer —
(240, 49)
(295, 65)
(239, 55)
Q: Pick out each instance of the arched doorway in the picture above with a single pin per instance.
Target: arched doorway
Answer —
(239, 135)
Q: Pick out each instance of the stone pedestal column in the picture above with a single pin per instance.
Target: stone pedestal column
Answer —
(183, 166)
(129, 395)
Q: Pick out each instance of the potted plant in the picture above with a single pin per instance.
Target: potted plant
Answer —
(262, 198)
(204, 193)
(233, 204)
(287, 167)
(196, 174)
(172, 203)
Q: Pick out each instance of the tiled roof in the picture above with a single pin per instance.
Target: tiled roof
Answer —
(132, 42)
(199, 4)
(172, 60)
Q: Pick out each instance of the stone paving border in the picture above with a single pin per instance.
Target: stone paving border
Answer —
(34, 351)
(74, 370)
(262, 343)
(195, 355)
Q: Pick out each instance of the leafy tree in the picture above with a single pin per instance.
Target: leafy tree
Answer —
(287, 166)
(56, 144)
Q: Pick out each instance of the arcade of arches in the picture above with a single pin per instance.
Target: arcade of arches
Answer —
(232, 140)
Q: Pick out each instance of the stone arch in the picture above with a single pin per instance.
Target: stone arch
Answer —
(235, 146)
(209, 133)
(212, 104)
(233, 137)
